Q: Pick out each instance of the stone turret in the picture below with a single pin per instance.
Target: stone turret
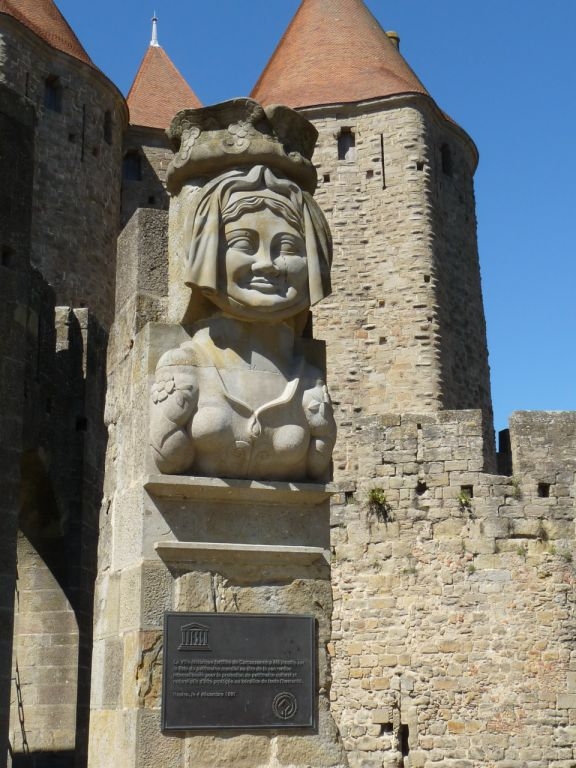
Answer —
(45, 20)
(80, 119)
(334, 51)
(158, 92)
(407, 323)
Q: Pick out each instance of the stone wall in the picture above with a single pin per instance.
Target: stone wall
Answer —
(16, 171)
(73, 209)
(59, 495)
(147, 154)
(454, 596)
(405, 325)
(453, 588)
(77, 167)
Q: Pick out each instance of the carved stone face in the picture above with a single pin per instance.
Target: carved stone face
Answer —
(262, 269)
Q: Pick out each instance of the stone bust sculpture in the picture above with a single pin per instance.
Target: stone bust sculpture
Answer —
(239, 399)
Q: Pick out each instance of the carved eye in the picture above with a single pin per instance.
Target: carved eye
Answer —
(291, 246)
(242, 240)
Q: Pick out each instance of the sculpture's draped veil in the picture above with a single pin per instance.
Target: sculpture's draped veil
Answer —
(204, 223)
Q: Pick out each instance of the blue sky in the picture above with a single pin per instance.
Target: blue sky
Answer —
(505, 70)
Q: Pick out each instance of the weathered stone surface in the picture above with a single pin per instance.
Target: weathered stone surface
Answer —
(398, 274)
(77, 171)
(228, 544)
(453, 632)
(491, 578)
(239, 398)
(245, 750)
(16, 171)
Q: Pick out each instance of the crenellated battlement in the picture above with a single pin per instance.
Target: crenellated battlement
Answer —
(453, 593)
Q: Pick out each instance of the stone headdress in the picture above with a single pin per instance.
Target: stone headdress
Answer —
(211, 140)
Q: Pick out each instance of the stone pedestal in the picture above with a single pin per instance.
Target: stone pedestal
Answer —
(190, 544)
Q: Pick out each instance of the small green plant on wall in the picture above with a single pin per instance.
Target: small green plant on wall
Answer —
(522, 550)
(465, 500)
(379, 506)
(516, 488)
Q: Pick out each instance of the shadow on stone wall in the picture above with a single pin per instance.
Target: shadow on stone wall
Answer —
(44, 760)
(61, 484)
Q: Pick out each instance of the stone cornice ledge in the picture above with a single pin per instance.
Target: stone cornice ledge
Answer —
(175, 552)
(234, 491)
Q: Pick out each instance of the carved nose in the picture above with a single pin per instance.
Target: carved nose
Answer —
(264, 263)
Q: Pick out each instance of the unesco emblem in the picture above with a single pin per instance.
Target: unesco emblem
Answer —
(285, 706)
(195, 637)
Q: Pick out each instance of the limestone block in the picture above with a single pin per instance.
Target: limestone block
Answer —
(236, 511)
(128, 528)
(157, 587)
(222, 751)
(112, 673)
(253, 557)
(97, 686)
(194, 591)
(449, 528)
(112, 732)
(142, 670)
(484, 546)
(154, 749)
(495, 527)
(323, 749)
(417, 759)
(567, 701)
(142, 264)
(130, 599)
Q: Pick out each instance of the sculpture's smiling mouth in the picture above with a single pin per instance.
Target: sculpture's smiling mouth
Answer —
(263, 285)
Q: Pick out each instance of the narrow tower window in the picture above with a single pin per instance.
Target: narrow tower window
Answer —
(346, 145)
(53, 93)
(83, 149)
(108, 127)
(383, 161)
(404, 738)
(132, 166)
(446, 154)
(6, 256)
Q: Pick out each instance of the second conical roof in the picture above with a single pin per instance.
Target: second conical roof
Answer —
(159, 91)
(44, 19)
(334, 51)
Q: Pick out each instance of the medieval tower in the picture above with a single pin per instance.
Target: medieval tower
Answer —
(62, 128)
(453, 583)
(406, 323)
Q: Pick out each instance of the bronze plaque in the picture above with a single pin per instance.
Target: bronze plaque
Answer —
(238, 670)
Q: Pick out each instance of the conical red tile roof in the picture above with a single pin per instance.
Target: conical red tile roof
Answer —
(158, 91)
(44, 19)
(334, 51)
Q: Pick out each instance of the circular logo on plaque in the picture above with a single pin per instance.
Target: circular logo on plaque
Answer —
(285, 705)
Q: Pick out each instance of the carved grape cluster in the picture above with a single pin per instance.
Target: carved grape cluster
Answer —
(163, 387)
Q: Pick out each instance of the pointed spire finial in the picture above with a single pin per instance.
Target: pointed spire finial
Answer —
(154, 41)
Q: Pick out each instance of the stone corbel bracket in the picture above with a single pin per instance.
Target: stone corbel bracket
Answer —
(242, 522)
